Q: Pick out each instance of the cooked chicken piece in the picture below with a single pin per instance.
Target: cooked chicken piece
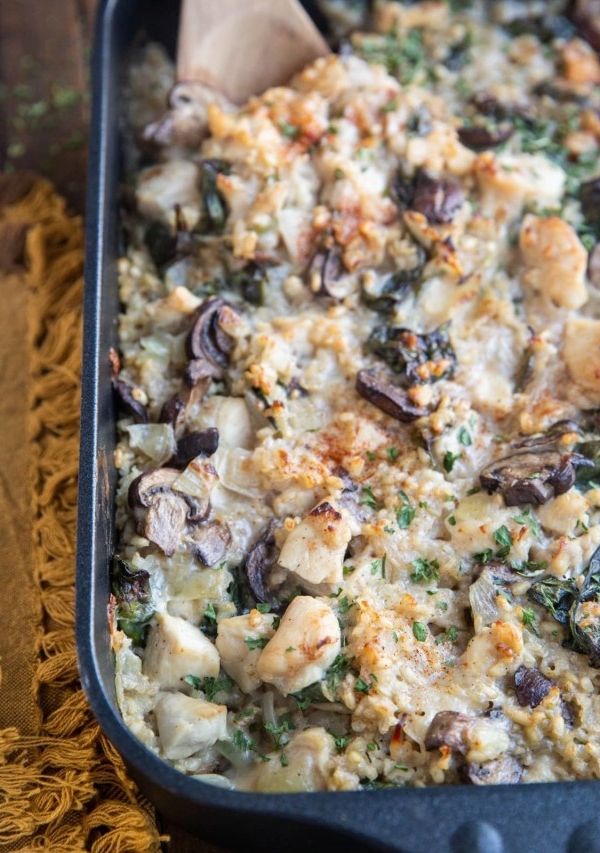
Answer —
(304, 646)
(315, 549)
(508, 181)
(555, 260)
(240, 641)
(162, 187)
(308, 754)
(176, 648)
(581, 354)
(187, 725)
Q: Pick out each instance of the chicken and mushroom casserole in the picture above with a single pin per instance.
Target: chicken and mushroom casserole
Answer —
(359, 380)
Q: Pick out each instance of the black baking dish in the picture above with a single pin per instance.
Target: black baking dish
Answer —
(532, 818)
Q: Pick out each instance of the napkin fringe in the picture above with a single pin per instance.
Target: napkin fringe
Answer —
(65, 789)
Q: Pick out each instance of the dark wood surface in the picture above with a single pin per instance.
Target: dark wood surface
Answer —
(45, 47)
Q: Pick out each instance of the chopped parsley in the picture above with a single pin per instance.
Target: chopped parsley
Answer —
(256, 642)
(503, 538)
(464, 437)
(363, 686)
(527, 518)
(404, 516)
(392, 453)
(449, 460)
(368, 498)
(420, 631)
(425, 571)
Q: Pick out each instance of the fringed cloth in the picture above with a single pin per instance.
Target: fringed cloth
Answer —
(63, 788)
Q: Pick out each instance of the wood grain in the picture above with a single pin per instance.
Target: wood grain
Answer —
(44, 58)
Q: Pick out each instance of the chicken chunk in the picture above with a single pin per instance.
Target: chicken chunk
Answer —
(239, 643)
(176, 648)
(509, 181)
(187, 725)
(555, 260)
(315, 549)
(162, 187)
(308, 757)
(581, 354)
(304, 646)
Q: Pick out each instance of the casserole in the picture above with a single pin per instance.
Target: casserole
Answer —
(370, 820)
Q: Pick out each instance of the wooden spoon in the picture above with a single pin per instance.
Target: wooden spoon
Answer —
(242, 47)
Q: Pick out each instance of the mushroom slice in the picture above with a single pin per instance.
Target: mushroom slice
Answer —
(451, 729)
(377, 386)
(315, 549)
(584, 15)
(438, 200)
(207, 340)
(173, 412)
(531, 478)
(201, 442)
(259, 563)
(126, 396)
(325, 269)
(500, 771)
(480, 138)
(165, 512)
(210, 542)
(186, 122)
(531, 687)
(168, 498)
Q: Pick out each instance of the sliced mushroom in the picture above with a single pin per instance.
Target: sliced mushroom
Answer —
(479, 137)
(531, 477)
(377, 386)
(173, 412)
(531, 686)
(451, 729)
(207, 343)
(500, 771)
(201, 442)
(438, 200)
(488, 105)
(585, 16)
(186, 122)
(210, 542)
(258, 566)
(165, 512)
(164, 509)
(127, 401)
(325, 269)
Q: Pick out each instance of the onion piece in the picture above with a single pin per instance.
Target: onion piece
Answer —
(482, 597)
(157, 441)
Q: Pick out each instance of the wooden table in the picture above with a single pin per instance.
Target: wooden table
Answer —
(44, 110)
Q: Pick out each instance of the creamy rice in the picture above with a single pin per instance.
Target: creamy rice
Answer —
(359, 373)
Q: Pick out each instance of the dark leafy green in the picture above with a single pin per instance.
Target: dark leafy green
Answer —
(397, 287)
(252, 282)
(215, 209)
(566, 603)
(419, 358)
(131, 588)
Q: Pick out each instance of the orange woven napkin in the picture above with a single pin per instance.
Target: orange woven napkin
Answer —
(63, 788)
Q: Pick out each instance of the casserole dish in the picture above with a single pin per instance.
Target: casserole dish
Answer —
(464, 818)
